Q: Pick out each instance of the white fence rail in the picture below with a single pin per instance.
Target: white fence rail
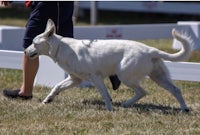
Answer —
(49, 73)
(175, 7)
(10, 59)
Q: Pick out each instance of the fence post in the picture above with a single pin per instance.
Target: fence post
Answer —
(93, 13)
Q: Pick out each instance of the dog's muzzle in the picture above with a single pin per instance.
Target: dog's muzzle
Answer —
(30, 54)
(33, 55)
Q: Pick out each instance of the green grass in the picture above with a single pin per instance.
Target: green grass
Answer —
(82, 112)
(14, 16)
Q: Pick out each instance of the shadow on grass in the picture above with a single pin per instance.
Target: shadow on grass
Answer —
(139, 107)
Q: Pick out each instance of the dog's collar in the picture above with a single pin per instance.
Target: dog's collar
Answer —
(54, 55)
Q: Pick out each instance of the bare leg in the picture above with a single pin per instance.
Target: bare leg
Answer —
(30, 68)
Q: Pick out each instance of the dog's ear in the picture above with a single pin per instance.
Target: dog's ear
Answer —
(50, 28)
(50, 32)
(50, 23)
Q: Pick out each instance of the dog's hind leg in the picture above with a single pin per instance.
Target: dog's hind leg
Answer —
(161, 77)
(139, 93)
(63, 85)
(175, 91)
(99, 83)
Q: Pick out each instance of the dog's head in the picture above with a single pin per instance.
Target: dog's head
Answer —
(40, 44)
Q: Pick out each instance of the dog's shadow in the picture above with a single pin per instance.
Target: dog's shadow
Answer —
(139, 107)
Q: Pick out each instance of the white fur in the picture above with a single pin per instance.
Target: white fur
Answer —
(93, 60)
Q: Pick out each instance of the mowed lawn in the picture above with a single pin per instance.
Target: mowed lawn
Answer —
(82, 111)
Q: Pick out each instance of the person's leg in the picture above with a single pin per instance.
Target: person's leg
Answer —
(65, 23)
(30, 68)
(115, 81)
(35, 25)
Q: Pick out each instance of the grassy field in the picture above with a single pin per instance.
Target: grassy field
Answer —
(82, 112)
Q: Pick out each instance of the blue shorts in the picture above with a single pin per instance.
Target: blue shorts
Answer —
(60, 12)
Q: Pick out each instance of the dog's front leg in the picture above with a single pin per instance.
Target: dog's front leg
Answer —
(99, 83)
(65, 84)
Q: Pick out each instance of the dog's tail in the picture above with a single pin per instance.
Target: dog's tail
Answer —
(185, 51)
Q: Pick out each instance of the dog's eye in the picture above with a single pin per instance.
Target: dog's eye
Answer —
(34, 43)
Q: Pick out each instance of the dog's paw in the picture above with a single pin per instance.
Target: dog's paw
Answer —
(186, 110)
(47, 101)
(43, 102)
(109, 108)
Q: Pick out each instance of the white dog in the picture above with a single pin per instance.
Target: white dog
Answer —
(93, 60)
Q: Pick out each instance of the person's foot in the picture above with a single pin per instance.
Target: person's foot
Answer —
(15, 94)
(115, 81)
